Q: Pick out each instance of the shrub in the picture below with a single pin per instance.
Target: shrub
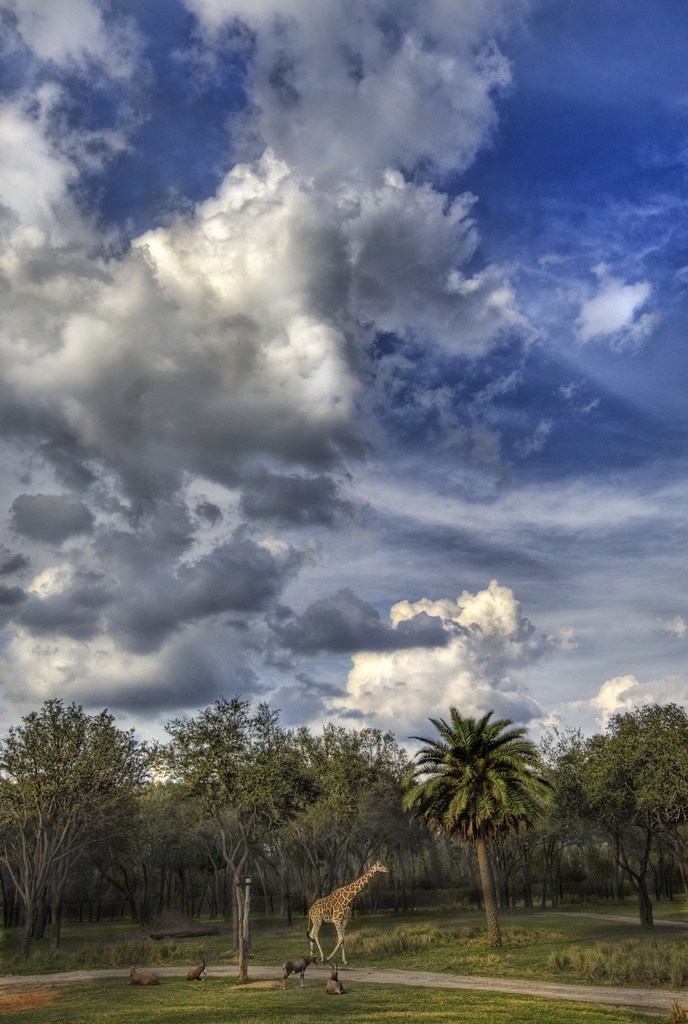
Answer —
(633, 961)
(414, 938)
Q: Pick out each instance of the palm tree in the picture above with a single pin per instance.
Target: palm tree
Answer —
(478, 779)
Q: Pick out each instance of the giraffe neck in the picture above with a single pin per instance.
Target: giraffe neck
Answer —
(351, 890)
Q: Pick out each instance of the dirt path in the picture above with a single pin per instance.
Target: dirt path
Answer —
(638, 998)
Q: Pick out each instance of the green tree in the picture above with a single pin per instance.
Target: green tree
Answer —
(64, 778)
(151, 836)
(246, 775)
(565, 823)
(635, 783)
(478, 780)
(354, 805)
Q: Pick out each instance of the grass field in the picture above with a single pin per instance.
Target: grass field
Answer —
(537, 944)
(563, 946)
(115, 1002)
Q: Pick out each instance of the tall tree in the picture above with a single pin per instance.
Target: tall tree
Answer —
(566, 822)
(355, 802)
(64, 777)
(245, 773)
(149, 838)
(479, 779)
(635, 782)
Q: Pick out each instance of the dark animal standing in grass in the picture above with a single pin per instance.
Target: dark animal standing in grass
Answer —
(297, 967)
(334, 986)
(142, 979)
(195, 973)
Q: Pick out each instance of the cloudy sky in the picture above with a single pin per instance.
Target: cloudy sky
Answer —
(342, 358)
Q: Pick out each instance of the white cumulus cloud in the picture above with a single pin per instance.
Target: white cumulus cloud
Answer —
(371, 83)
(676, 627)
(482, 667)
(73, 33)
(615, 312)
(625, 693)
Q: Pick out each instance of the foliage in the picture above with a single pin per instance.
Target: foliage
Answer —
(480, 779)
(160, 829)
(355, 804)
(635, 786)
(245, 773)
(626, 962)
(305, 811)
(232, 760)
(65, 776)
(564, 824)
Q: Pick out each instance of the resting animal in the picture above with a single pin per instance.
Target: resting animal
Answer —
(194, 974)
(143, 979)
(297, 967)
(334, 986)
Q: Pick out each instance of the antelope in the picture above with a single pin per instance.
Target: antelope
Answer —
(297, 967)
(194, 974)
(142, 979)
(334, 986)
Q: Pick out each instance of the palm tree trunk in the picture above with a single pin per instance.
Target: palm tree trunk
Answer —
(494, 934)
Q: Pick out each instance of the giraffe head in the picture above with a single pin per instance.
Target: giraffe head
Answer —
(379, 866)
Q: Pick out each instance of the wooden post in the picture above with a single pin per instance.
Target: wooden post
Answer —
(243, 905)
(247, 914)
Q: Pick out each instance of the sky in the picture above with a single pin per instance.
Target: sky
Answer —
(342, 359)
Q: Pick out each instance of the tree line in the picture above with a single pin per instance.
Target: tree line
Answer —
(235, 809)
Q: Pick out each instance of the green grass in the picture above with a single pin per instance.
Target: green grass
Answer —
(641, 962)
(667, 910)
(538, 944)
(216, 1000)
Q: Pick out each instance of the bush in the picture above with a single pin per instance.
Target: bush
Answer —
(406, 939)
(137, 952)
(634, 961)
(414, 938)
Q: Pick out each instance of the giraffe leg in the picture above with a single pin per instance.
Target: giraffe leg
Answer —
(341, 928)
(334, 951)
(313, 936)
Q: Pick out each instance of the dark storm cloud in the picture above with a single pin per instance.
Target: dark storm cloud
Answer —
(10, 596)
(240, 576)
(50, 517)
(227, 411)
(75, 613)
(305, 501)
(10, 564)
(68, 459)
(305, 698)
(144, 594)
(188, 680)
(343, 624)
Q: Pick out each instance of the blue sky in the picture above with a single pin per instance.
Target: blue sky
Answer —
(342, 358)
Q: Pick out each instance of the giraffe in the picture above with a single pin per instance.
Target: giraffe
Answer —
(334, 909)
